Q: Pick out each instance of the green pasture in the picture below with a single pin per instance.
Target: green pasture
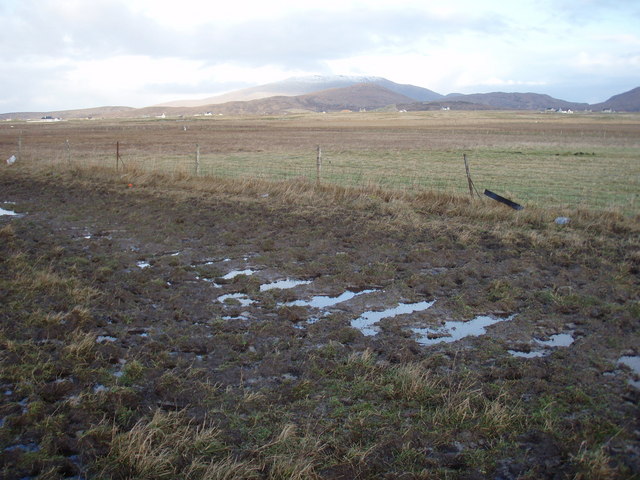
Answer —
(573, 178)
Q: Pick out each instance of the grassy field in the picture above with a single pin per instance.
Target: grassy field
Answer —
(575, 161)
(162, 325)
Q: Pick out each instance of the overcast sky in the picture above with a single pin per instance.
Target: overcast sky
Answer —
(64, 54)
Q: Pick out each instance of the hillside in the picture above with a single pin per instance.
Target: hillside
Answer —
(355, 97)
(336, 93)
(627, 102)
(443, 104)
(296, 86)
(518, 101)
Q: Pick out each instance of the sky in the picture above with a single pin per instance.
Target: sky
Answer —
(67, 54)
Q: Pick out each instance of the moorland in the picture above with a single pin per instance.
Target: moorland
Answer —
(246, 317)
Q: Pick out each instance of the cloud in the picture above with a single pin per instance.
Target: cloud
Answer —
(57, 52)
(102, 28)
(581, 13)
(79, 30)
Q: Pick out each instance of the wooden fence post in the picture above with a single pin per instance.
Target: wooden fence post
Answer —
(318, 164)
(197, 165)
(119, 157)
(466, 167)
(472, 187)
(20, 146)
(68, 152)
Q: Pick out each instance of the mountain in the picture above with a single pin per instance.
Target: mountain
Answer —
(627, 102)
(442, 105)
(336, 93)
(366, 96)
(354, 97)
(295, 86)
(518, 101)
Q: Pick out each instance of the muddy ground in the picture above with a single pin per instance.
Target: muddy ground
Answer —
(115, 309)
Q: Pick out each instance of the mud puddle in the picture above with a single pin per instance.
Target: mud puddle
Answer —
(366, 322)
(453, 331)
(283, 284)
(105, 339)
(559, 340)
(239, 298)
(8, 213)
(325, 301)
(235, 273)
(633, 363)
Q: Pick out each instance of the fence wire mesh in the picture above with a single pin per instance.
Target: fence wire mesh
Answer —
(579, 167)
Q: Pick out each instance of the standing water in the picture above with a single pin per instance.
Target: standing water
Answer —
(453, 331)
(365, 322)
(323, 301)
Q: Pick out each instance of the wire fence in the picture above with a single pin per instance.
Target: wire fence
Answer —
(567, 179)
(547, 175)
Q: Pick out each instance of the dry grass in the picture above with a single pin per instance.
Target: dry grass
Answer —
(164, 447)
(169, 445)
(395, 210)
(594, 464)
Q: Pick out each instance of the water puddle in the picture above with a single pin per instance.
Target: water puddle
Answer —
(324, 301)
(633, 362)
(453, 331)
(243, 299)
(8, 213)
(555, 341)
(531, 354)
(24, 447)
(365, 323)
(235, 273)
(558, 340)
(209, 280)
(283, 284)
(238, 317)
(105, 339)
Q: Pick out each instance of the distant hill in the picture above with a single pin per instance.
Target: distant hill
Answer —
(296, 86)
(626, 102)
(366, 96)
(335, 93)
(443, 104)
(518, 101)
(354, 97)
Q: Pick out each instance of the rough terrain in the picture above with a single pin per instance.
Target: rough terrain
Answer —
(122, 358)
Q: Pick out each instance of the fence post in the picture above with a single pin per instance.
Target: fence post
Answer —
(318, 164)
(20, 146)
(469, 181)
(68, 152)
(197, 165)
(117, 155)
